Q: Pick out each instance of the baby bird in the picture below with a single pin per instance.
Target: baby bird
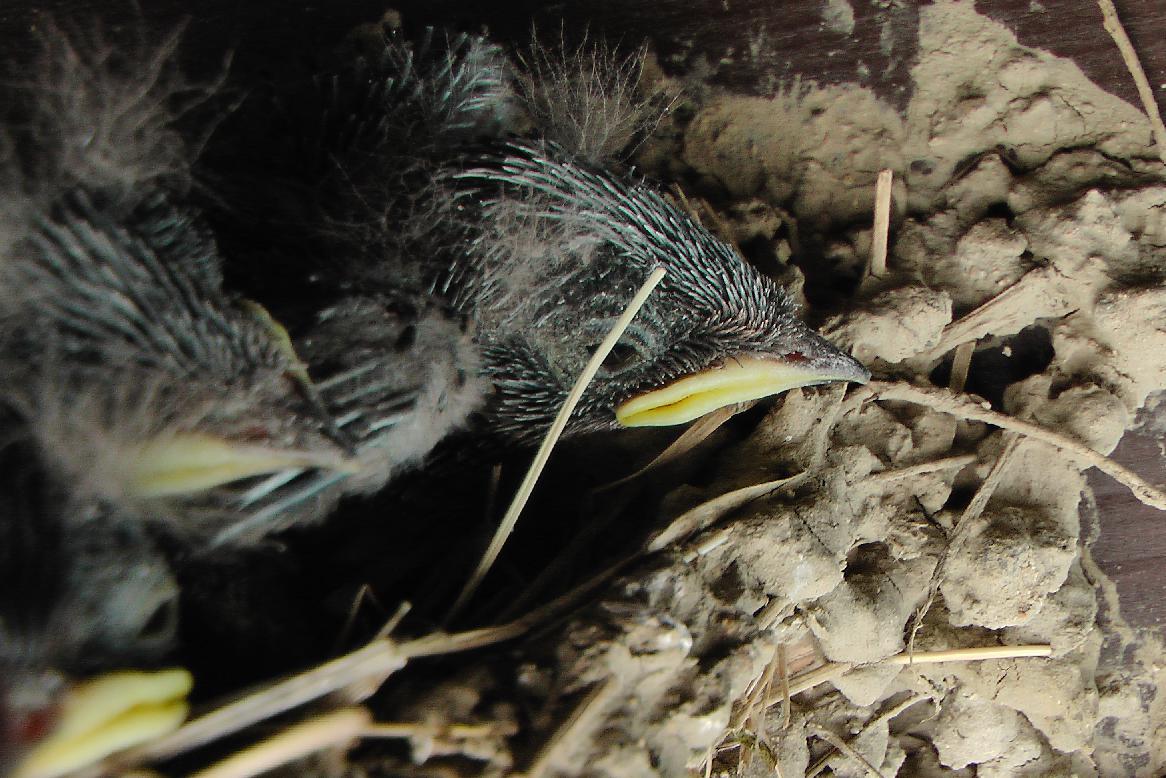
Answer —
(414, 174)
(143, 382)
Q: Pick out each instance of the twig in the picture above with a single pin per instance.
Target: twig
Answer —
(959, 462)
(887, 715)
(882, 223)
(783, 679)
(583, 716)
(961, 529)
(1116, 31)
(379, 659)
(336, 728)
(960, 364)
(705, 514)
(945, 402)
(847, 749)
(544, 452)
(832, 670)
(693, 436)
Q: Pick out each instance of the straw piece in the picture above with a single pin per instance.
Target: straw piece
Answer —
(882, 223)
(848, 750)
(960, 364)
(708, 512)
(337, 728)
(831, 670)
(945, 402)
(506, 527)
(1116, 31)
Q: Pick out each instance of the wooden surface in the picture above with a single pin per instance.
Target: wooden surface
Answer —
(788, 39)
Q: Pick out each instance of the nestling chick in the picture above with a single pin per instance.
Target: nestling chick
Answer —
(418, 183)
(557, 247)
(402, 373)
(142, 380)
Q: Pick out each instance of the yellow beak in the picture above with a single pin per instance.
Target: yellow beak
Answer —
(192, 462)
(109, 714)
(738, 380)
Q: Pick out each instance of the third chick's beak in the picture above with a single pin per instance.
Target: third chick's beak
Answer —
(107, 714)
(738, 379)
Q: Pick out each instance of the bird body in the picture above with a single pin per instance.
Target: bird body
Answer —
(421, 180)
(143, 381)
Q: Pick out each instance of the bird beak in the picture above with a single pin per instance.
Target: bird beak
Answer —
(108, 714)
(186, 463)
(736, 380)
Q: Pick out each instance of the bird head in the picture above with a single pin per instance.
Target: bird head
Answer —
(557, 249)
(83, 591)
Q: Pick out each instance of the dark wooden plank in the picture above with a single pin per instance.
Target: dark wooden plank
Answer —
(1131, 548)
(1073, 29)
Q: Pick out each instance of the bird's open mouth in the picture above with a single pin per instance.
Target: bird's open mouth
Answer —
(737, 380)
(108, 714)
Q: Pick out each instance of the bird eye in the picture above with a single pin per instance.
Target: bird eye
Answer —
(162, 623)
(621, 357)
(406, 339)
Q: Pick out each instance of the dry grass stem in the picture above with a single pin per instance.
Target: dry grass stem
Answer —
(755, 710)
(692, 437)
(1116, 31)
(379, 658)
(580, 723)
(394, 621)
(984, 493)
(817, 767)
(882, 224)
(335, 729)
(886, 715)
(783, 680)
(707, 513)
(824, 760)
(961, 529)
(1015, 299)
(846, 748)
(1038, 650)
(961, 362)
(375, 661)
(944, 401)
(506, 527)
(957, 462)
(831, 670)
(405, 730)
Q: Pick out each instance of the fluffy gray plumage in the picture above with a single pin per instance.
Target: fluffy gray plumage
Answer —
(403, 372)
(119, 340)
(556, 249)
(540, 246)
